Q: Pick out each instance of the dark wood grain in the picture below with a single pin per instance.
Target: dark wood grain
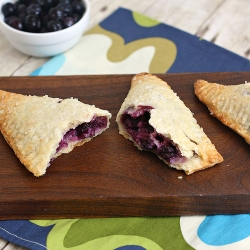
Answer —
(109, 177)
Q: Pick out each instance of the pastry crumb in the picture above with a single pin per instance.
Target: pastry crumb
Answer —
(180, 177)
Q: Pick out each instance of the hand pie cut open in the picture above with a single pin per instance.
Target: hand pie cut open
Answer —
(156, 120)
(229, 104)
(39, 129)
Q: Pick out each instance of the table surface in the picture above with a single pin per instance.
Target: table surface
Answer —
(223, 22)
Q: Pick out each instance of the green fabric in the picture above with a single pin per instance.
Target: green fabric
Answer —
(144, 21)
(151, 233)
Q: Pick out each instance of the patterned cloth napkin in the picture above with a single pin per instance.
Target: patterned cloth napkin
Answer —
(127, 42)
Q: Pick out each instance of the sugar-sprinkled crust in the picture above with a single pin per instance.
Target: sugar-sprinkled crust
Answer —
(230, 104)
(171, 118)
(33, 126)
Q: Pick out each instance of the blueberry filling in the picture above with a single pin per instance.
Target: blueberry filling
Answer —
(84, 130)
(136, 123)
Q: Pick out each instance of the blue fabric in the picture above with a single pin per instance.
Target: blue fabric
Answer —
(130, 248)
(220, 230)
(24, 233)
(194, 54)
(50, 67)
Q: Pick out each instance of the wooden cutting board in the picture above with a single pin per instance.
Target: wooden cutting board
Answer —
(108, 176)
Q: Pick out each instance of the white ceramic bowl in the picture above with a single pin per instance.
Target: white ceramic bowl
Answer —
(45, 44)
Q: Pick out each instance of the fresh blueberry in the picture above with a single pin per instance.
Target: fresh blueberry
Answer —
(34, 9)
(54, 25)
(36, 15)
(16, 23)
(78, 7)
(56, 14)
(68, 21)
(66, 8)
(32, 23)
(8, 9)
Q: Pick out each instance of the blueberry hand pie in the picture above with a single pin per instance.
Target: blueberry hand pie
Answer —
(39, 129)
(156, 120)
(229, 104)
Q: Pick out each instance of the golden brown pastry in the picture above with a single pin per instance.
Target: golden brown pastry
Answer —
(230, 104)
(39, 129)
(156, 120)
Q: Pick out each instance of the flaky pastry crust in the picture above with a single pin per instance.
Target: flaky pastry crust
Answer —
(171, 118)
(230, 104)
(33, 126)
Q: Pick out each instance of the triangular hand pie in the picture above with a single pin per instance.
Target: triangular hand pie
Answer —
(229, 104)
(39, 129)
(156, 120)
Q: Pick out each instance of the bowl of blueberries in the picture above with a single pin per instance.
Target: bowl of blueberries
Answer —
(43, 28)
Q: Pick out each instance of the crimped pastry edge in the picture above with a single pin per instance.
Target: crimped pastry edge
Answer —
(208, 158)
(203, 90)
(8, 100)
